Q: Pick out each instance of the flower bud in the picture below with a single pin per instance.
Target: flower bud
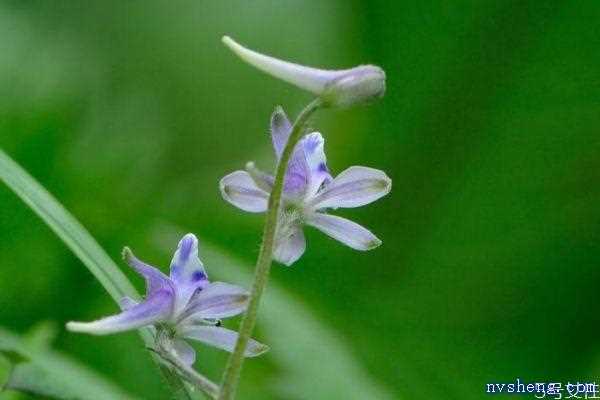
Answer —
(358, 85)
(336, 88)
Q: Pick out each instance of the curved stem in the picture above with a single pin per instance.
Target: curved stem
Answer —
(265, 257)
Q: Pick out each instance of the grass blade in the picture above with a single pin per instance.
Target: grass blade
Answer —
(80, 241)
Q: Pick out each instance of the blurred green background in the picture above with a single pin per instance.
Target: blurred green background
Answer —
(130, 112)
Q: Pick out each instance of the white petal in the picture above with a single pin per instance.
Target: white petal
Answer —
(354, 187)
(183, 351)
(239, 189)
(217, 300)
(290, 248)
(221, 338)
(312, 79)
(346, 231)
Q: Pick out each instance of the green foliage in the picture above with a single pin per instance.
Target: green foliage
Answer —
(76, 237)
(332, 357)
(5, 369)
(45, 372)
(130, 112)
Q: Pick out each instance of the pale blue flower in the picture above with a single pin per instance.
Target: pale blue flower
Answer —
(309, 192)
(184, 305)
(339, 88)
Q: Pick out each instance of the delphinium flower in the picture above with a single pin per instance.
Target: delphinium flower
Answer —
(309, 192)
(183, 305)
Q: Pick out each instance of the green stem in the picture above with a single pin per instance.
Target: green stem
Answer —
(265, 257)
(190, 375)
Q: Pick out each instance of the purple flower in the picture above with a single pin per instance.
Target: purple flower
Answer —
(309, 191)
(184, 305)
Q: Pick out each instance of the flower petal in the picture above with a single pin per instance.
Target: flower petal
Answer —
(316, 162)
(307, 169)
(183, 351)
(186, 267)
(187, 271)
(155, 308)
(297, 173)
(280, 130)
(155, 280)
(217, 300)
(222, 338)
(345, 231)
(127, 302)
(239, 189)
(290, 248)
(263, 180)
(354, 187)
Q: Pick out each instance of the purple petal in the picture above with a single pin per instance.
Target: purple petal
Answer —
(307, 170)
(127, 302)
(155, 308)
(290, 248)
(318, 173)
(297, 174)
(217, 300)
(186, 267)
(222, 338)
(155, 280)
(187, 272)
(184, 351)
(347, 232)
(354, 187)
(239, 189)
(280, 130)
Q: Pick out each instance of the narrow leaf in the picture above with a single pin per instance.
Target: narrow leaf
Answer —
(79, 240)
(72, 233)
(5, 368)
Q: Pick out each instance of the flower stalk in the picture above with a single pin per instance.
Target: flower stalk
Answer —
(265, 256)
(208, 387)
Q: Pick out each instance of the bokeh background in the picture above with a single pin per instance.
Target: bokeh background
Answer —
(130, 112)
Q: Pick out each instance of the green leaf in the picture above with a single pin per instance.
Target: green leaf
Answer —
(49, 373)
(29, 378)
(78, 239)
(41, 335)
(72, 233)
(5, 368)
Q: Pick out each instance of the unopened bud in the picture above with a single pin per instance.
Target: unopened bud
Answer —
(363, 84)
(336, 88)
